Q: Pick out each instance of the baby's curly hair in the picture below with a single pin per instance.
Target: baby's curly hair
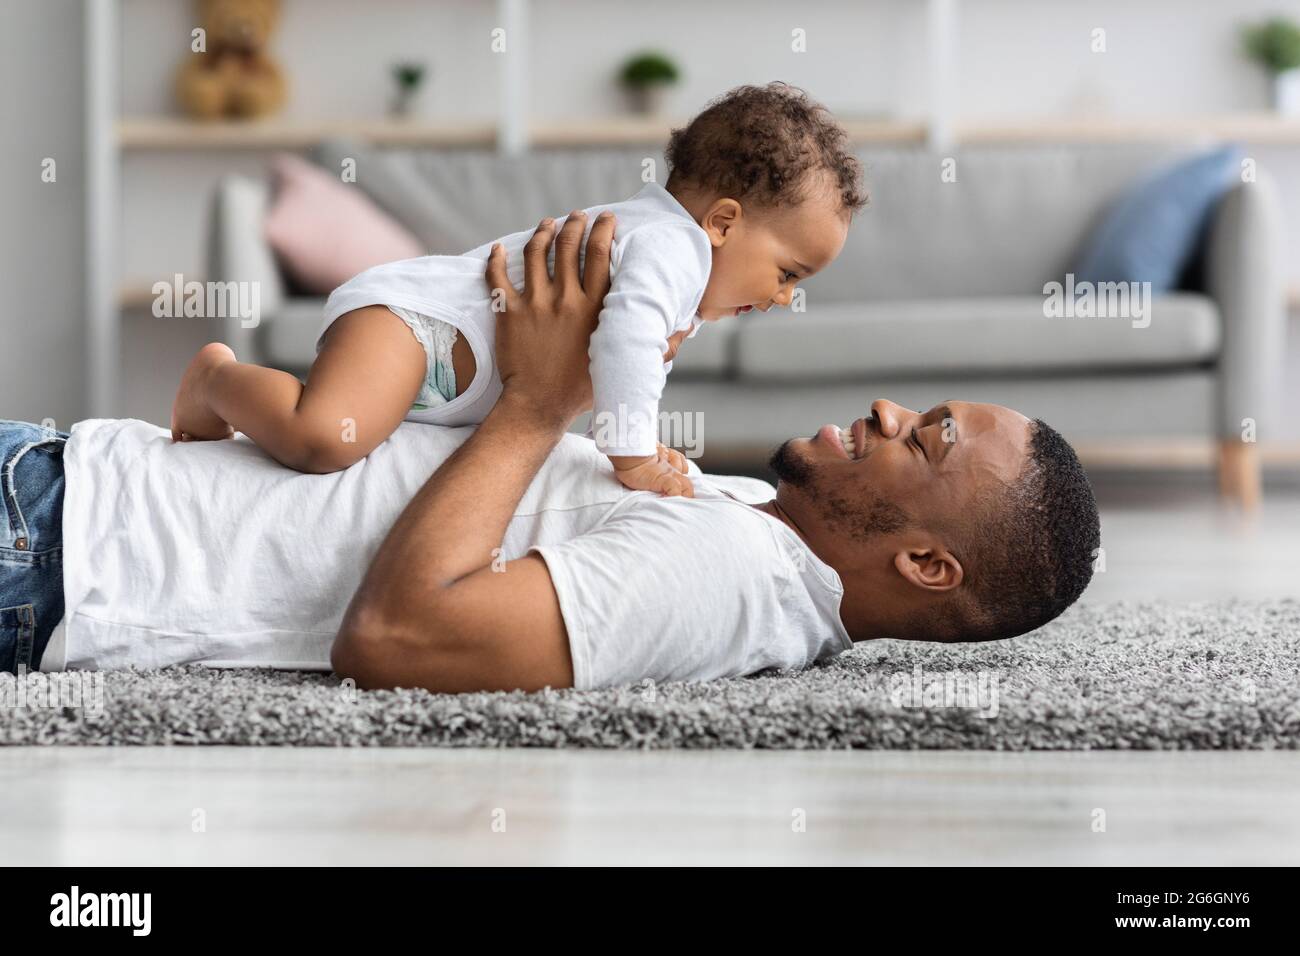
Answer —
(761, 143)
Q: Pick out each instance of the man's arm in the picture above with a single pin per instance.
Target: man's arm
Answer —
(431, 611)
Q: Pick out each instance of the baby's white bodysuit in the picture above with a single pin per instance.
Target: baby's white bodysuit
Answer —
(659, 266)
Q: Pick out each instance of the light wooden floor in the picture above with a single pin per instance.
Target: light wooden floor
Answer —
(138, 806)
(1173, 539)
(124, 806)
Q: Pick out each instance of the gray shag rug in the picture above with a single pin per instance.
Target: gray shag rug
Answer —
(1123, 676)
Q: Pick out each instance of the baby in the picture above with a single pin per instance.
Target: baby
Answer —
(760, 191)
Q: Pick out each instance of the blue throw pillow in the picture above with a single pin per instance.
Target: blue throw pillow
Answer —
(1150, 233)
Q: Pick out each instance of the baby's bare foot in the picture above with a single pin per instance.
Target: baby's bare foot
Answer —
(192, 419)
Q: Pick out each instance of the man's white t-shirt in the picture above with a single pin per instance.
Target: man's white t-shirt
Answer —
(212, 553)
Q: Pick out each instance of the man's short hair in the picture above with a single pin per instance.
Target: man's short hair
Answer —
(762, 143)
(1033, 552)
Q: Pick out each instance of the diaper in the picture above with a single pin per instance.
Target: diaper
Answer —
(437, 338)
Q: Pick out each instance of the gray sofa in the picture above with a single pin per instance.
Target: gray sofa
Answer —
(938, 294)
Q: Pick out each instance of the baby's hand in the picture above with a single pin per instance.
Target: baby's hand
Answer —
(674, 343)
(673, 457)
(663, 472)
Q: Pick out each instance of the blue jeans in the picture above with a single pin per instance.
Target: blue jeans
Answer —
(31, 541)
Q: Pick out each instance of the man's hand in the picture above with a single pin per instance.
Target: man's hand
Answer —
(542, 337)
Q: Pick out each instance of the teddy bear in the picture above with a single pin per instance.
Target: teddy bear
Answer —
(232, 76)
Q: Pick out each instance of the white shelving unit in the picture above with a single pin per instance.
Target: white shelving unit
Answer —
(111, 139)
(108, 135)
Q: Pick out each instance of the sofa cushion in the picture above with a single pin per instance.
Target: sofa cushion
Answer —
(985, 220)
(457, 199)
(1150, 233)
(964, 336)
(325, 232)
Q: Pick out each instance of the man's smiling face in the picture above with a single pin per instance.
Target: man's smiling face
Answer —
(928, 464)
(899, 468)
(964, 522)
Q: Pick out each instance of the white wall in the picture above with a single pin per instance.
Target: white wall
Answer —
(1163, 57)
(41, 258)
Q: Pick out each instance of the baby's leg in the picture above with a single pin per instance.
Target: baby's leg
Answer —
(360, 387)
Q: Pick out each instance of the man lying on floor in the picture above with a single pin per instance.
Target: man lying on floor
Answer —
(521, 562)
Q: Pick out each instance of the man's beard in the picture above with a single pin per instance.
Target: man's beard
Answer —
(790, 468)
(859, 518)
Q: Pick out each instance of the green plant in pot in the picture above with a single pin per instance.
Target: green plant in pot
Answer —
(407, 78)
(1275, 45)
(646, 77)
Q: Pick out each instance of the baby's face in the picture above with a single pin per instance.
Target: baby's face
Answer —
(764, 256)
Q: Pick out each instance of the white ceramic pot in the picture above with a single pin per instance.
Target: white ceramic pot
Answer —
(1286, 92)
(647, 100)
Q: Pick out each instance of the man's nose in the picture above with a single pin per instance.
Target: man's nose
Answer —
(890, 416)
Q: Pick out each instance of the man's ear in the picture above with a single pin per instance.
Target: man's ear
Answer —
(931, 569)
(721, 219)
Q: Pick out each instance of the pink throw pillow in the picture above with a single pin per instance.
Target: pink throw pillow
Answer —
(325, 231)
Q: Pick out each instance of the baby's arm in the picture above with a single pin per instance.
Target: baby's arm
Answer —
(658, 278)
(663, 471)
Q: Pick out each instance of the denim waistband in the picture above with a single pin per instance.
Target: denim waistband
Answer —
(31, 541)
(17, 440)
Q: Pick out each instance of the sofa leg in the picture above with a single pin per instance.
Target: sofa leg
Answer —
(1240, 479)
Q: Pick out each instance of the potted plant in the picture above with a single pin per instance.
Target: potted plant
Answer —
(1275, 45)
(646, 77)
(407, 77)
